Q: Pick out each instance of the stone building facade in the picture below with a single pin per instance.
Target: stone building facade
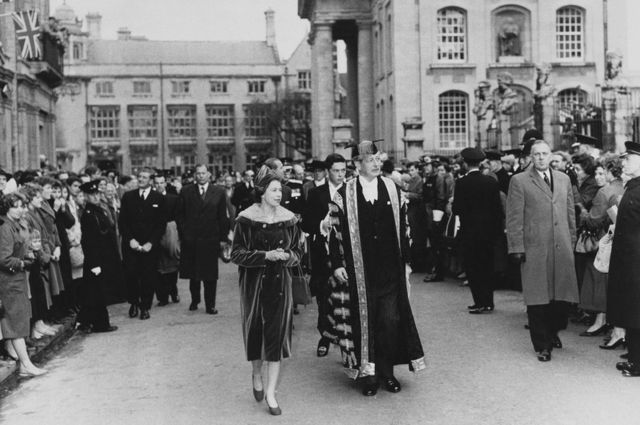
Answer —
(421, 73)
(132, 102)
(27, 97)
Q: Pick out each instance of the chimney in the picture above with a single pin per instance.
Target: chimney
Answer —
(270, 18)
(94, 26)
(124, 33)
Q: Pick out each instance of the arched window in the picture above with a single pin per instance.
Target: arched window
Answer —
(452, 35)
(453, 120)
(570, 33)
(570, 99)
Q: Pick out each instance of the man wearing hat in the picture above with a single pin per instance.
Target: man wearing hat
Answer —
(587, 145)
(495, 166)
(169, 256)
(100, 249)
(374, 324)
(623, 293)
(477, 203)
(524, 161)
(316, 209)
(319, 176)
(541, 235)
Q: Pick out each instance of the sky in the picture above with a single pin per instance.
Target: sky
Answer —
(242, 20)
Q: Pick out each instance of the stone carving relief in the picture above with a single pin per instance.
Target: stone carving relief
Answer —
(505, 98)
(509, 37)
(544, 88)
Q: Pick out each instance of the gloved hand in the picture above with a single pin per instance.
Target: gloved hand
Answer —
(517, 258)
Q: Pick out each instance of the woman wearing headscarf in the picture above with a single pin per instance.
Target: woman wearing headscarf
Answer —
(266, 246)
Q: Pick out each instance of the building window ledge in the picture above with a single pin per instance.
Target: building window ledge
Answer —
(106, 95)
(143, 142)
(221, 141)
(256, 140)
(105, 142)
(576, 64)
(452, 65)
(182, 141)
(511, 65)
(142, 95)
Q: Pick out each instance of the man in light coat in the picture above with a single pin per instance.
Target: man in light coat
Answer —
(541, 234)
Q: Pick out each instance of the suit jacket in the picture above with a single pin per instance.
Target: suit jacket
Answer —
(296, 197)
(315, 210)
(477, 202)
(202, 225)
(542, 224)
(142, 219)
(243, 197)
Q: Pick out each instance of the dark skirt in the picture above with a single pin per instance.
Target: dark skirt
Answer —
(15, 323)
(593, 294)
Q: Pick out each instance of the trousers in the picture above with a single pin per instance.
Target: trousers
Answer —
(141, 272)
(167, 286)
(545, 321)
(210, 288)
(633, 343)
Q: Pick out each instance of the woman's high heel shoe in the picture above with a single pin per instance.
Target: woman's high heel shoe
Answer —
(257, 394)
(602, 329)
(619, 342)
(275, 411)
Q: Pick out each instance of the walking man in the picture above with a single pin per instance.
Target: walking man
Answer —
(315, 211)
(541, 234)
(142, 224)
(202, 224)
(371, 311)
(477, 202)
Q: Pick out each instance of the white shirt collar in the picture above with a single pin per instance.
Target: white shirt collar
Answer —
(333, 189)
(369, 189)
(145, 192)
(543, 173)
(320, 182)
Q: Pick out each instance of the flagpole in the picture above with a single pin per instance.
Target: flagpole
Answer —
(14, 124)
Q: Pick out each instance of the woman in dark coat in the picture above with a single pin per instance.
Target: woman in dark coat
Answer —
(64, 220)
(266, 246)
(585, 168)
(593, 295)
(16, 257)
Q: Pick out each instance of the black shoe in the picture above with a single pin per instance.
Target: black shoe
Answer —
(275, 411)
(193, 307)
(175, 299)
(370, 386)
(133, 311)
(433, 278)
(625, 366)
(295, 310)
(144, 314)
(624, 356)
(619, 342)
(472, 307)
(555, 342)
(602, 329)
(257, 394)
(212, 311)
(392, 385)
(631, 373)
(544, 355)
(85, 328)
(481, 310)
(323, 347)
(163, 303)
(107, 329)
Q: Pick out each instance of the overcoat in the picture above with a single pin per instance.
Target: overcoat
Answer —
(541, 223)
(14, 284)
(202, 225)
(623, 296)
(51, 238)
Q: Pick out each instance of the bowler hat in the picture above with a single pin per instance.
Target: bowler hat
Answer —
(588, 140)
(493, 155)
(315, 164)
(532, 133)
(472, 154)
(90, 187)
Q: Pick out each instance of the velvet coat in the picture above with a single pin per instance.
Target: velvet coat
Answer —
(541, 223)
(623, 295)
(202, 225)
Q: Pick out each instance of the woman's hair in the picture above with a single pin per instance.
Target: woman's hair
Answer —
(586, 162)
(45, 180)
(387, 166)
(30, 191)
(8, 201)
(613, 164)
(263, 179)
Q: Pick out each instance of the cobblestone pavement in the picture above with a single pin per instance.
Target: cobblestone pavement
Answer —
(184, 367)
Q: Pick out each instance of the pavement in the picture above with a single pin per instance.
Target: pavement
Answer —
(183, 367)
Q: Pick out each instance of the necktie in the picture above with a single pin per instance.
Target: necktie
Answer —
(142, 194)
(202, 192)
(546, 180)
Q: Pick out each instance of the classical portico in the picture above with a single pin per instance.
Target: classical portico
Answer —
(331, 22)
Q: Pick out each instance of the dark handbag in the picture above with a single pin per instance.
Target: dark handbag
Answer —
(587, 242)
(301, 293)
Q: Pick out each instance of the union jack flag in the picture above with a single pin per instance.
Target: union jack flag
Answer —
(28, 34)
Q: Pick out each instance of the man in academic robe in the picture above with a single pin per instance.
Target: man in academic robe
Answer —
(316, 209)
(142, 223)
(374, 325)
(477, 203)
(203, 225)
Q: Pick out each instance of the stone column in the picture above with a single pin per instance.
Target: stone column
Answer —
(323, 89)
(365, 82)
(352, 81)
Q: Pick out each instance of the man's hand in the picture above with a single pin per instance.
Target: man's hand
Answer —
(341, 274)
(134, 244)
(56, 253)
(96, 271)
(517, 258)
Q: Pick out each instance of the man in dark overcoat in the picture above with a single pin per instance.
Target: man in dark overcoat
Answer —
(369, 252)
(244, 192)
(169, 256)
(316, 209)
(142, 223)
(541, 235)
(477, 203)
(202, 225)
(623, 293)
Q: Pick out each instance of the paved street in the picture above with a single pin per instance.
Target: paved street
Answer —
(185, 367)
